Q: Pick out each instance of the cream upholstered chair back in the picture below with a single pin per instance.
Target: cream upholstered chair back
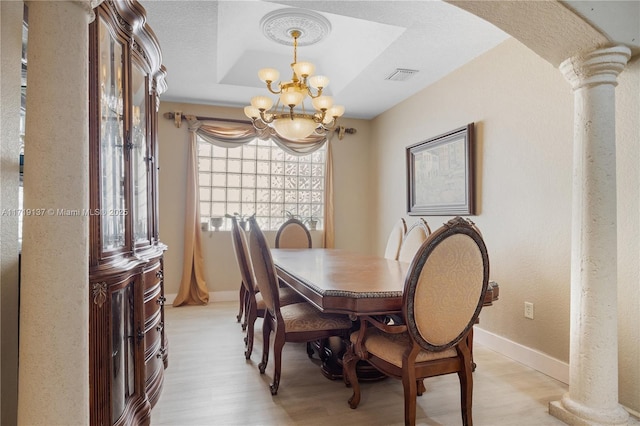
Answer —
(426, 226)
(413, 239)
(241, 250)
(263, 267)
(395, 239)
(446, 285)
(293, 234)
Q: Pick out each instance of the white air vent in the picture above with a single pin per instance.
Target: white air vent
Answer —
(401, 74)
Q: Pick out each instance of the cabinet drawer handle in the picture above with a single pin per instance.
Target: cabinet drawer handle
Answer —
(159, 274)
(161, 300)
(160, 326)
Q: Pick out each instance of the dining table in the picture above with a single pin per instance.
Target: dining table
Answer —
(348, 282)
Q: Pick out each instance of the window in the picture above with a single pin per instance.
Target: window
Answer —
(260, 178)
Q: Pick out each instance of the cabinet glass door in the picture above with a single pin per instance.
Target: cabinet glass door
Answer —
(112, 203)
(139, 155)
(123, 335)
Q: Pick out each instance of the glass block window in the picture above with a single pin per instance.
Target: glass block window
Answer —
(260, 178)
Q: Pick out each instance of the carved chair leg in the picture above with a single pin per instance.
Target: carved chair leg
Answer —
(266, 333)
(466, 391)
(247, 302)
(242, 302)
(410, 385)
(470, 345)
(310, 349)
(420, 386)
(252, 315)
(278, 344)
(349, 361)
(247, 316)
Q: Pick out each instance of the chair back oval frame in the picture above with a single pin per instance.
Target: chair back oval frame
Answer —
(455, 226)
(286, 227)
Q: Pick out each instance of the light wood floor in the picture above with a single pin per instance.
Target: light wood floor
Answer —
(209, 382)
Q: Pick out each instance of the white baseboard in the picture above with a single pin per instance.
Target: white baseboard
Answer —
(224, 296)
(539, 361)
(214, 296)
(634, 413)
(170, 298)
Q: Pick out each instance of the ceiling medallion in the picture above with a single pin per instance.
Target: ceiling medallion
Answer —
(279, 25)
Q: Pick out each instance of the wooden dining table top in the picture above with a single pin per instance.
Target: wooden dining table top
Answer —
(341, 281)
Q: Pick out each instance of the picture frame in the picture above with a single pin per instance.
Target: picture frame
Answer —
(440, 174)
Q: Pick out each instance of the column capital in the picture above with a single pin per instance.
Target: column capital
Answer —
(600, 66)
(88, 6)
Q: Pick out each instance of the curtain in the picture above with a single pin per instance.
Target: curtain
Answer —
(226, 135)
(231, 135)
(328, 237)
(193, 288)
(304, 146)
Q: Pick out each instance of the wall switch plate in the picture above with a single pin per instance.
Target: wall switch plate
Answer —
(528, 310)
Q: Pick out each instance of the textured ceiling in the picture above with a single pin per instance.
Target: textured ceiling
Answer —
(213, 49)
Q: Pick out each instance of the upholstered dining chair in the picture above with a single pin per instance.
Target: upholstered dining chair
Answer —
(299, 322)
(254, 305)
(443, 295)
(293, 234)
(413, 239)
(394, 241)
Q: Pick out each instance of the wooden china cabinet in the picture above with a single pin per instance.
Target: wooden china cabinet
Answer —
(127, 343)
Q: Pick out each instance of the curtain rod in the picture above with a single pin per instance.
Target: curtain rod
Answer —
(178, 116)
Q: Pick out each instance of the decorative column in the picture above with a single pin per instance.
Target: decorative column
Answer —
(54, 298)
(593, 366)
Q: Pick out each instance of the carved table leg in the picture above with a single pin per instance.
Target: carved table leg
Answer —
(332, 362)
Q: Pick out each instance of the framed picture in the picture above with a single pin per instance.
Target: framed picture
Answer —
(440, 175)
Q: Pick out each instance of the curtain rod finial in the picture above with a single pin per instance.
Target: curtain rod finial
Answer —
(342, 130)
(175, 116)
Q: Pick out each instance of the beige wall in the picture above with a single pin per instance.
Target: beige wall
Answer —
(351, 186)
(523, 110)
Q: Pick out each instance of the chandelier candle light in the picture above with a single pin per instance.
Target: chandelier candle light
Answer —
(282, 117)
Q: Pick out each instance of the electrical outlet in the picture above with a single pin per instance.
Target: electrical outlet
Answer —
(528, 310)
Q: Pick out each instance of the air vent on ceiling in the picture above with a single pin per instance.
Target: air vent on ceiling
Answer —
(401, 74)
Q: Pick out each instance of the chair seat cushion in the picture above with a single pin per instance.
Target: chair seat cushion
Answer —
(391, 347)
(288, 296)
(304, 317)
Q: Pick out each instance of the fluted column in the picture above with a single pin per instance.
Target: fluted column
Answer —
(54, 311)
(593, 365)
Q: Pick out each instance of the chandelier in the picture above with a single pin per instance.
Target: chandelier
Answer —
(282, 117)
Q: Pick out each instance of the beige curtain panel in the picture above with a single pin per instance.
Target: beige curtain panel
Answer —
(328, 237)
(193, 288)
